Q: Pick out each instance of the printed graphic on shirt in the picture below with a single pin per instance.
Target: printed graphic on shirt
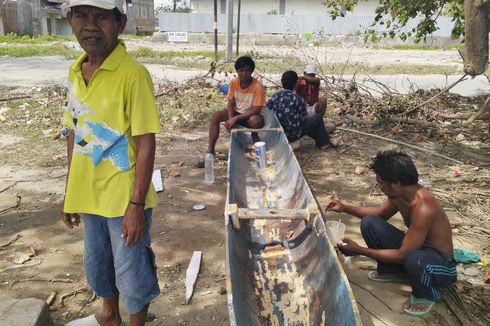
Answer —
(97, 140)
(243, 101)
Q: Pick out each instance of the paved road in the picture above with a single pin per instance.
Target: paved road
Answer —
(43, 71)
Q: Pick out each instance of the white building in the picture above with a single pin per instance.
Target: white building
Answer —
(281, 7)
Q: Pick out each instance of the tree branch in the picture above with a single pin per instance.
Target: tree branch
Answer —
(485, 108)
(433, 97)
(401, 143)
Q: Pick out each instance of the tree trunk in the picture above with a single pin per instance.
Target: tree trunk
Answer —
(475, 54)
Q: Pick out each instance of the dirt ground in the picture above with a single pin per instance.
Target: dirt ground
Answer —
(35, 172)
(177, 230)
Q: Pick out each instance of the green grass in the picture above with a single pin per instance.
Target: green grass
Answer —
(41, 39)
(38, 50)
(150, 53)
(404, 47)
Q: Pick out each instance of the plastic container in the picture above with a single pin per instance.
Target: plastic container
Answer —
(335, 231)
(223, 89)
(209, 168)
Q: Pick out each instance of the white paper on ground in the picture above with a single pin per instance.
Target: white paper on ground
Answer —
(191, 275)
(156, 179)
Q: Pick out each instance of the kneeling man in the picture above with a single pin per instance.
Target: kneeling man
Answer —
(423, 255)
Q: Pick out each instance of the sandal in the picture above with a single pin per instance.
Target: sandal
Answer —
(386, 278)
(419, 302)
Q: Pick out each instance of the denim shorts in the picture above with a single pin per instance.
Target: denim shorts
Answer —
(113, 270)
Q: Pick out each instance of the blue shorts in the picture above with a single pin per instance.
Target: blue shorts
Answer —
(113, 270)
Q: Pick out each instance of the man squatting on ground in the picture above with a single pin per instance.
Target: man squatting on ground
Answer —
(246, 97)
(290, 110)
(111, 148)
(308, 87)
(423, 254)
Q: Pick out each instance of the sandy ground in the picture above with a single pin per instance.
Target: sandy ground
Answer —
(177, 230)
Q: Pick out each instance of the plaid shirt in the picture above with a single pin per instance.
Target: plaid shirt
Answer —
(289, 107)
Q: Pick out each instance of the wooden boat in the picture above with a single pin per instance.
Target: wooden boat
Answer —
(281, 267)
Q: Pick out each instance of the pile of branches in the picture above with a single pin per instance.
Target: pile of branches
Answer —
(435, 111)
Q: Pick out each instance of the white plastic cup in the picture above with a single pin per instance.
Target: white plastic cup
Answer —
(335, 231)
(260, 155)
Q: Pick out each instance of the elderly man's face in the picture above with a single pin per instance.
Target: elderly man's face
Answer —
(96, 29)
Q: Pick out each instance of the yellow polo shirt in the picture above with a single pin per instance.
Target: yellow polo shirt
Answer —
(117, 104)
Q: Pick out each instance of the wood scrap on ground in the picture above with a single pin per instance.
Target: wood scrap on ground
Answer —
(18, 199)
(9, 242)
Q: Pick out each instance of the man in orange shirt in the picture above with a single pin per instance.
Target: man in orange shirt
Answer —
(246, 97)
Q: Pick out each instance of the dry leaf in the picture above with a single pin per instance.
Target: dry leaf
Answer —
(415, 137)
(361, 170)
(486, 278)
(30, 251)
(19, 258)
(396, 129)
(174, 174)
(2, 118)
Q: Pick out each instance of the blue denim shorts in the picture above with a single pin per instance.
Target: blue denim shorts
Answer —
(113, 270)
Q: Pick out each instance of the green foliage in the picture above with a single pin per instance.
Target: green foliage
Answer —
(272, 12)
(174, 7)
(394, 15)
(38, 50)
(41, 39)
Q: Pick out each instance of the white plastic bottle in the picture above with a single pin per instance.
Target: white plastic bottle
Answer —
(209, 168)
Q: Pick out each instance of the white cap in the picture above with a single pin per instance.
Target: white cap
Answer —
(310, 69)
(103, 4)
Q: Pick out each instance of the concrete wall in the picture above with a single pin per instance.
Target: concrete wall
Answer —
(292, 7)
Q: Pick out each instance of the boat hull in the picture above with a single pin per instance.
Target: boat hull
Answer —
(280, 271)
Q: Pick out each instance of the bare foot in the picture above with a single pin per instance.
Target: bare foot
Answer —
(108, 320)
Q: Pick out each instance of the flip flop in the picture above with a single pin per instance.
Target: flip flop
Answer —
(419, 301)
(386, 278)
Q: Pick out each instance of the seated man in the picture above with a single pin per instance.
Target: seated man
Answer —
(308, 87)
(246, 97)
(290, 110)
(424, 254)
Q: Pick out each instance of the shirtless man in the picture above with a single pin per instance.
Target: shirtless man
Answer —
(423, 255)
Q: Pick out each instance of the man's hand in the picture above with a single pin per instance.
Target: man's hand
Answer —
(334, 205)
(230, 123)
(349, 247)
(69, 219)
(133, 225)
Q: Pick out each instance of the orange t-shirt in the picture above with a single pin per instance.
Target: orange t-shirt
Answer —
(246, 98)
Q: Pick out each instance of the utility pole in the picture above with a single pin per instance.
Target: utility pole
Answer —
(216, 30)
(229, 30)
(238, 27)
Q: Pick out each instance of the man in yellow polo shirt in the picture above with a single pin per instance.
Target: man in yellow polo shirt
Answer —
(113, 120)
